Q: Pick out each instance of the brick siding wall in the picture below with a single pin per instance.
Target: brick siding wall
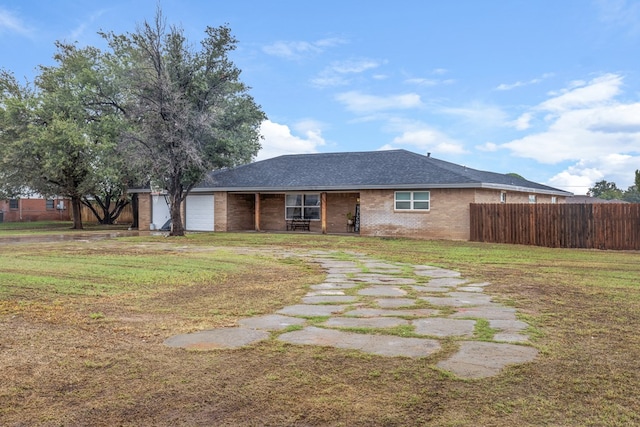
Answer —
(35, 210)
(448, 217)
(144, 211)
(240, 212)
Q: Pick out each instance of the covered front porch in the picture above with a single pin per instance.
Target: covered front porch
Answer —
(324, 212)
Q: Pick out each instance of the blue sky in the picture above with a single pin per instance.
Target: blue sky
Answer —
(548, 89)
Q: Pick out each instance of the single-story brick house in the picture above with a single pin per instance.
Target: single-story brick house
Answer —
(34, 208)
(389, 193)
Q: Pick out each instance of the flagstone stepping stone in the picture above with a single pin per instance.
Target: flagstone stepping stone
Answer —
(458, 300)
(344, 270)
(336, 285)
(490, 312)
(217, 339)
(438, 289)
(446, 281)
(332, 299)
(508, 325)
(383, 279)
(271, 322)
(378, 312)
(471, 289)
(337, 278)
(436, 272)
(333, 263)
(382, 291)
(365, 322)
(382, 345)
(310, 310)
(510, 337)
(395, 302)
(381, 265)
(441, 327)
(334, 292)
(484, 359)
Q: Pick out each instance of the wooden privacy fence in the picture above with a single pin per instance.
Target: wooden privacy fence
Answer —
(126, 216)
(590, 226)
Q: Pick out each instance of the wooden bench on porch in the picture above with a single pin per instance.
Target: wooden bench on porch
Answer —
(298, 223)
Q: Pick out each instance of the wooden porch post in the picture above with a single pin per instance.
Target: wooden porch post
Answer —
(323, 212)
(257, 212)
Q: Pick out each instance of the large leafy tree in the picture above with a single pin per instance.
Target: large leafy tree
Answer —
(61, 135)
(188, 112)
(605, 190)
(15, 118)
(632, 194)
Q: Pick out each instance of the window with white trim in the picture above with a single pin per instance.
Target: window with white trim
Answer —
(554, 199)
(305, 206)
(503, 197)
(532, 198)
(412, 201)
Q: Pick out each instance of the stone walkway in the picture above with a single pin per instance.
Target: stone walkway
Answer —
(360, 293)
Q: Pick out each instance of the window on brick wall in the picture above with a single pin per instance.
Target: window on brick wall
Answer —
(532, 198)
(503, 197)
(554, 199)
(13, 204)
(413, 200)
(50, 204)
(305, 206)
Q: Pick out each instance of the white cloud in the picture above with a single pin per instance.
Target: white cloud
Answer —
(430, 81)
(426, 139)
(582, 175)
(297, 49)
(599, 90)
(620, 13)
(488, 147)
(278, 139)
(10, 23)
(358, 102)
(523, 122)
(509, 86)
(584, 123)
(479, 114)
(336, 74)
(422, 81)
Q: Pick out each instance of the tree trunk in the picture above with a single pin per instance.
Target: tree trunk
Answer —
(175, 203)
(76, 212)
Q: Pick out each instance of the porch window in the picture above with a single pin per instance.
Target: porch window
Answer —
(305, 206)
(413, 200)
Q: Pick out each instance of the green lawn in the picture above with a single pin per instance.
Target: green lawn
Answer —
(82, 325)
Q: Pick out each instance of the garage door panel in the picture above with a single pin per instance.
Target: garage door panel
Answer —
(199, 212)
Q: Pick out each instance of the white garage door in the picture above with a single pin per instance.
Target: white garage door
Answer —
(160, 212)
(199, 212)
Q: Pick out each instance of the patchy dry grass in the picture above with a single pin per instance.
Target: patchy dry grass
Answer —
(82, 326)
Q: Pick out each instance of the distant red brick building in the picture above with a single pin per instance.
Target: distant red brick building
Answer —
(34, 209)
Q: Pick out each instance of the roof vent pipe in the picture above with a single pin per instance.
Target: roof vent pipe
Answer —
(428, 154)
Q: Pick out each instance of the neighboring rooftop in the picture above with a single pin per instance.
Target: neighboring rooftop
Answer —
(589, 199)
(361, 170)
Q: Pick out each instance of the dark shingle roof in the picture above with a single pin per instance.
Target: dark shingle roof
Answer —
(360, 170)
